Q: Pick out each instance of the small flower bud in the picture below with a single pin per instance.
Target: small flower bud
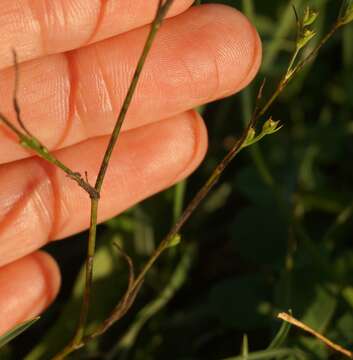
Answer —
(310, 15)
(305, 37)
(174, 241)
(250, 137)
(270, 126)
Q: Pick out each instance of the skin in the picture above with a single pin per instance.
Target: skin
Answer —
(77, 58)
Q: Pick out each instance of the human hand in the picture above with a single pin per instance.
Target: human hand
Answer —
(78, 57)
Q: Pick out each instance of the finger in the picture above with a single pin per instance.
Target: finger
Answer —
(27, 287)
(42, 27)
(203, 54)
(38, 202)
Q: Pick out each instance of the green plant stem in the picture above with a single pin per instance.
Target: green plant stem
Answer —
(255, 151)
(282, 30)
(89, 271)
(27, 140)
(289, 76)
(162, 11)
(77, 341)
(246, 101)
(33, 144)
(131, 293)
(249, 9)
(124, 305)
(195, 202)
(179, 194)
(178, 278)
(134, 286)
(293, 59)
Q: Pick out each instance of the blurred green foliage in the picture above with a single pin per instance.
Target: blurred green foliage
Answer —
(275, 235)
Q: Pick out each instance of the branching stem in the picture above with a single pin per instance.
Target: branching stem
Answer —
(129, 297)
(292, 72)
(161, 13)
(219, 170)
(77, 341)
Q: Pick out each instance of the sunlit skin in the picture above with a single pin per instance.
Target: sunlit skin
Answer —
(77, 58)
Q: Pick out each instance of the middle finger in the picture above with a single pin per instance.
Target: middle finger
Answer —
(38, 202)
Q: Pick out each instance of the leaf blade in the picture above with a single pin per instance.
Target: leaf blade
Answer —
(17, 330)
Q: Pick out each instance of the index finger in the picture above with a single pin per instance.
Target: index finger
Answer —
(41, 27)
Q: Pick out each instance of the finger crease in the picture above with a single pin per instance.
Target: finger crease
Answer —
(55, 212)
(73, 87)
(100, 17)
(39, 21)
(104, 81)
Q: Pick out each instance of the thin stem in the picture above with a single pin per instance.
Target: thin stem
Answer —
(29, 141)
(11, 126)
(78, 341)
(162, 11)
(134, 286)
(286, 78)
(124, 305)
(220, 168)
(282, 30)
(255, 151)
(76, 176)
(179, 194)
(195, 202)
(292, 61)
(89, 271)
(246, 101)
(248, 8)
(317, 48)
(325, 340)
(178, 278)
(43, 152)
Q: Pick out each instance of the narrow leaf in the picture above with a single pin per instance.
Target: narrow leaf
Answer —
(17, 330)
(281, 336)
